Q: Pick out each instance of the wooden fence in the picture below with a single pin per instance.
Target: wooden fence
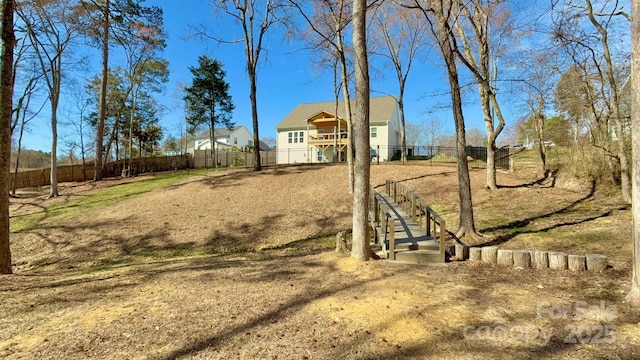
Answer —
(203, 158)
(42, 177)
(67, 173)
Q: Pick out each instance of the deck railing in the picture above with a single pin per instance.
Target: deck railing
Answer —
(434, 225)
(329, 138)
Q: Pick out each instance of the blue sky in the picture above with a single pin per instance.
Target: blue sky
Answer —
(286, 78)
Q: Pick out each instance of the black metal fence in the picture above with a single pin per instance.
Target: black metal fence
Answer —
(477, 156)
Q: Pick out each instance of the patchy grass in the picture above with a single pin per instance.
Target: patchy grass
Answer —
(94, 200)
(238, 265)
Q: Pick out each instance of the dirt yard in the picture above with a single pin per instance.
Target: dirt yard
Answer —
(238, 265)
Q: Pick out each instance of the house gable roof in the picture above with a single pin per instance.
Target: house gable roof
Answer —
(218, 132)
(381, 110)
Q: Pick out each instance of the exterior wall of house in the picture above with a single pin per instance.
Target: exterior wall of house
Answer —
(241, 137)
(387, 139)
(292, 147)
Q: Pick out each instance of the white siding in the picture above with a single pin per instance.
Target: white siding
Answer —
(292, 153)
(245, 138)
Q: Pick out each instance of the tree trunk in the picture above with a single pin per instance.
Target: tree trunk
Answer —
(634, 294)
(257, 166)
(15, 172)
(467, 222)
(54, 137)
(6, 106)
(403, 134)
(446, 43)
(102, 105)
(347, 109)
(360, 248)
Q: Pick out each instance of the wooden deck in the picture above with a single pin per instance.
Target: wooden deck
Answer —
(405, 228)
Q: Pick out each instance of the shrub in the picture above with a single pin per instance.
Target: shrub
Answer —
(238, 161)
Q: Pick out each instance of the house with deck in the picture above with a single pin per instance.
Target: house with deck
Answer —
(317, 132)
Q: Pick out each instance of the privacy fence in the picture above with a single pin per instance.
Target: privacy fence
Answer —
(67, 173)
(433, 155)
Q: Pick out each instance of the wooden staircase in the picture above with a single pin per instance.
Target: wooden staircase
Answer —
(406, 229)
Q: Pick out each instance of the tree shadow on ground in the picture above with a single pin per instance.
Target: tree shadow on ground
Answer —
(273, 316)
(443, 173)
(548, 175)
(230, 177)
(519, 227)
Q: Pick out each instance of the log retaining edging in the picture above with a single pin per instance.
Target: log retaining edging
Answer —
(523, 259)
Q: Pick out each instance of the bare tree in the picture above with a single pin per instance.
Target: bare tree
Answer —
(80, 100)
(591, 43)
(7, 36)
(328, 23)
(423, 133)
(440, 16)
(51, 27)
(401, 32)
(23, 113)
(256, 18)
(536, 85)
(360, 249)
(634, 295)
(479, 55)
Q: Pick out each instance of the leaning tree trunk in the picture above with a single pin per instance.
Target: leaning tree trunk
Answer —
(446, 42)
(102, 106)
(634, 294)
(347, 110)
(6, 107)
(360, 249)
(17, 168)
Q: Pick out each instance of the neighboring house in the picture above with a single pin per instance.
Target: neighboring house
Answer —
(225, 139)
(313, 133)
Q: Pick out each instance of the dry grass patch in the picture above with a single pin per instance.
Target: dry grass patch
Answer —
(234, 265)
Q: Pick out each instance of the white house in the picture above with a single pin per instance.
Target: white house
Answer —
(313, 133)
(225, 139)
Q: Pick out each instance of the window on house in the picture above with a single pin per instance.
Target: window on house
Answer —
(295, 137)
(250, 143)
(319, 155)
(235, 140)
(374, 132)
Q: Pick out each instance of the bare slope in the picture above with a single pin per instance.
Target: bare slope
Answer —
(162, 276)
